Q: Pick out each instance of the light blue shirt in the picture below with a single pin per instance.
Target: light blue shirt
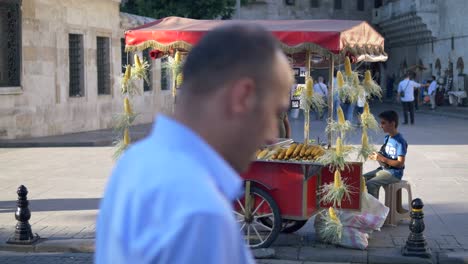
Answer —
(408, 86)
(169, 200)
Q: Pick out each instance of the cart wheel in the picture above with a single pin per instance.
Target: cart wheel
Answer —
(287, 226)
(256, 233)
(291, 226)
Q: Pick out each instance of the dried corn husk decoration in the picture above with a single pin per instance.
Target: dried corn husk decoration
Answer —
(122, 144)
(329, 227)
(335, 192)
(342, 125)
(370, 86)
(309, 99)
(335, 158)
(140, 69)
(366, 148)
(363, 185)
(368, 120)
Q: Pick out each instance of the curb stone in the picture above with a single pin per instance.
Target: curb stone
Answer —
(53, 245)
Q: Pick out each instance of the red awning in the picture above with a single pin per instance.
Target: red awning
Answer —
(337, 37)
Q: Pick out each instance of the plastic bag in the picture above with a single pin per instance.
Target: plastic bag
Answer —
(353, 238)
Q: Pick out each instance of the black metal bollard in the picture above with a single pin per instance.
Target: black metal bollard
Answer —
(23, 233)
(416, 244)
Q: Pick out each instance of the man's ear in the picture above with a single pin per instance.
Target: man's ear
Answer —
(242, 96)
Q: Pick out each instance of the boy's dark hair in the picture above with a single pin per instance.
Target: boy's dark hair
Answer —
(390, 116)
(433, 77)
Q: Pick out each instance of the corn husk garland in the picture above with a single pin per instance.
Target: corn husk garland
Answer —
(335, 158)
(335, 192)
(366, 149)
(349, 88)
(342, 125)
(370, 86)
(329, 227)
(124, 120)
(368, 120)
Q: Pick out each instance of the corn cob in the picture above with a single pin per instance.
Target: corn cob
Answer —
(128, 73)
(177, 57)
(309, 87)
(127, 107)
(339, 79)
(262, 154)
(282, 154)
(297, 150)
(347, 66)
(366, 108)
(126, 138)
(337, 183)
(290, 150)
(137, 61)
(276, 154)
(303, 150)
(364, 139)
(363, 184)
(180, 79)
(332, 214)
(309, 150)
(355, 80)
(367, 78)
(339, 147)
(341, 118)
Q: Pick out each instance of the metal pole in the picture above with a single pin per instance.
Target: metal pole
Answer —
(330, 95)
(307, 109)
(238, 8)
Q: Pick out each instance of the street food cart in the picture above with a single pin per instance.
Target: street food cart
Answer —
(280, 196)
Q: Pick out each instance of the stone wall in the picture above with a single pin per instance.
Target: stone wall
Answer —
(278, 9)
(42, 106)
(451, 23)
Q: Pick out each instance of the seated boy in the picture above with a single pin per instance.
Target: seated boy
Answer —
(391, 156)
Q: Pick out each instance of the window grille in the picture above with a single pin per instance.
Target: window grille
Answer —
(10, 49)
(103, 65)
(360, 5)
(76, 67)
(337, 4)
(315, 3)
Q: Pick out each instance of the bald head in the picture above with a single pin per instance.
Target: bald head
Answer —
(228, 53)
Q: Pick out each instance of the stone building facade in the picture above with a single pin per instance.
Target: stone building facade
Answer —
(430, 33)
(61, 64)
(308, 9)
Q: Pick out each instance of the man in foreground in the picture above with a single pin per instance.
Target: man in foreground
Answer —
(169, 199)
(391, 156)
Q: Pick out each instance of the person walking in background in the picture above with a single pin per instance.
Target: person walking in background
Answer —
(169, 198)
(321, 89)
(390, 83)
(406, 95)
(432, 92)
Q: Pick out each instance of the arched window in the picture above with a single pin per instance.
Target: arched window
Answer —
(10, 44)
(437, 67)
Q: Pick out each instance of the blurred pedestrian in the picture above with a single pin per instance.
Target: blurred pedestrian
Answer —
(169, 198)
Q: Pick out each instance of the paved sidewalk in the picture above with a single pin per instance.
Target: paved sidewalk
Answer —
(66, 183)
(107, 136)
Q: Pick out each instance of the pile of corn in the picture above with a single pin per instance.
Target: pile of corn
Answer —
(295, 152)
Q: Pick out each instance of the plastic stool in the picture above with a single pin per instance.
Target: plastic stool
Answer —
(394, 202)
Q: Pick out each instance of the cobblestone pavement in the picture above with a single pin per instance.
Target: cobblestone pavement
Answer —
(45, 258)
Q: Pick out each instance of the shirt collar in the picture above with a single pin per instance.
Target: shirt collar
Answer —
(171, 132)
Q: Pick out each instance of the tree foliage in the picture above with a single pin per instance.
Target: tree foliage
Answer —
(200, 9)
